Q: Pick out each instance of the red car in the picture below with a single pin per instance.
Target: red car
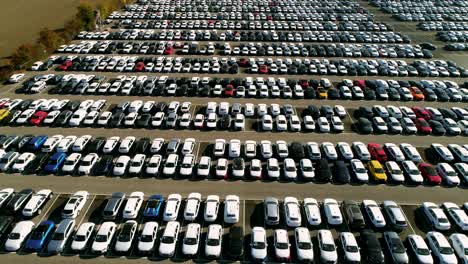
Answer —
(140, 66)
(429, 173)
(263, 69)
(377, 152)
(169, 51)
(420, 112)
(243, 62)
(229, 91)
(37, 118)
(66, 65)
(423, 126)
(360, 83)
(304, 84)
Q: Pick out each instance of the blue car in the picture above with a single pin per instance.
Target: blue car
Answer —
(36, 143)
(55, 162)
(39, 236)
(153, 206)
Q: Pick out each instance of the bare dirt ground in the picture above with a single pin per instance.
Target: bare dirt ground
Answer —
(21, 20)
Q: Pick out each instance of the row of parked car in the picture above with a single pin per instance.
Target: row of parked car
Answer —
(259, 49)
(405, 120)
(424, 10)
(453, 36)
(253, 25)
(443, 26)
(238, 35)
(100, 237)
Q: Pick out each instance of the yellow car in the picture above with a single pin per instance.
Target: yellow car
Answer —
(377, 171)
(3, 113)
(322, 93)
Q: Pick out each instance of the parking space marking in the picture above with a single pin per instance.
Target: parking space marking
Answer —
(83, 214)
(44, 214)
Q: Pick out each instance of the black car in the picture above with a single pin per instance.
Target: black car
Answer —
(19, 199)
(364, 111)
(333, 94)
(322, 171)
(370, 246)
(341, 172)
(354, 217)
(326, 110)
(103, 166)
(442, 96)
(116, 120)
(143, 120)
(37, 164)
(6, 222)
(363, 126)
(369, 94)
(448, 113)
(96, 145)
(311, 110)
(393, 94)
(437, 128)
(7, 142)
(62, 118)
(225, 121)
(72, 105)
(20, 143)
(296, 151)
(141, 146)
(236, 242)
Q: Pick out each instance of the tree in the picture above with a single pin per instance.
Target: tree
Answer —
(24, 54)
(87, 16)
(50, 39)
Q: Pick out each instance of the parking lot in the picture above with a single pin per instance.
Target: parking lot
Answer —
(251, 215)
(240, 62)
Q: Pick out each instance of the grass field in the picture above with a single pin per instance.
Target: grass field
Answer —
(21, 20)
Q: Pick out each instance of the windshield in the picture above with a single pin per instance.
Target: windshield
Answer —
(352, 249)
(446, 250)
(212, 242)
(85, 163)
(167, 240)
(282, 245)
(101, 238)
(14, 236)
(258, 245)
(146, 238)
(59, 236)
(80, 238)
(379, 170)
(328, 247)
(190, 241)
(304, 245)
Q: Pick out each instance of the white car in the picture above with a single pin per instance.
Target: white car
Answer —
(292, 212)
(169, 239)
(359, 170)
(361, 150)
(234, 148)
(459, 243)
(221, 168)
(394, 151)
(255, 169)
(282, 149)
(393, 169)
(18, 235)
(350, 248)
(71, 162)
(326, 244)
(126, 144)
(266, 149)
(219, 147)
(336, 124)
(289, 169)
(87, 164)
(125, 238)
(82, 236)
(411, 170)
(459, 152)
(457, 214)
(192, 206)
(77, 117)
(51, 143)
(133, 205)
(332, 212)
(103, 238)
(172, 207)
(147, 237)
(231, 209)
(213, 241)
(435, 216)
(323, 124)
(37, 201)
(345, 150)
(22, 161)
(211, 208)
(304, 247)
(65, 144)
(267, 123)
(156, 145)
(15, 78)
(329, 150)
(250, 149)
(110, 144)
(448, 174)
(374, 213)
(120, 166)
(420, 249)
(204, 166)
(281, 245)
(81, 142)
(440, 248)
(258, 244)
(411, 152)
(307, 169)
(191, 240)
(136, 164)
(312, 211)
(75, 204)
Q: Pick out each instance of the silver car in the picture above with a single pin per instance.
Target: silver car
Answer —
(61, 235)
(395, 247)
